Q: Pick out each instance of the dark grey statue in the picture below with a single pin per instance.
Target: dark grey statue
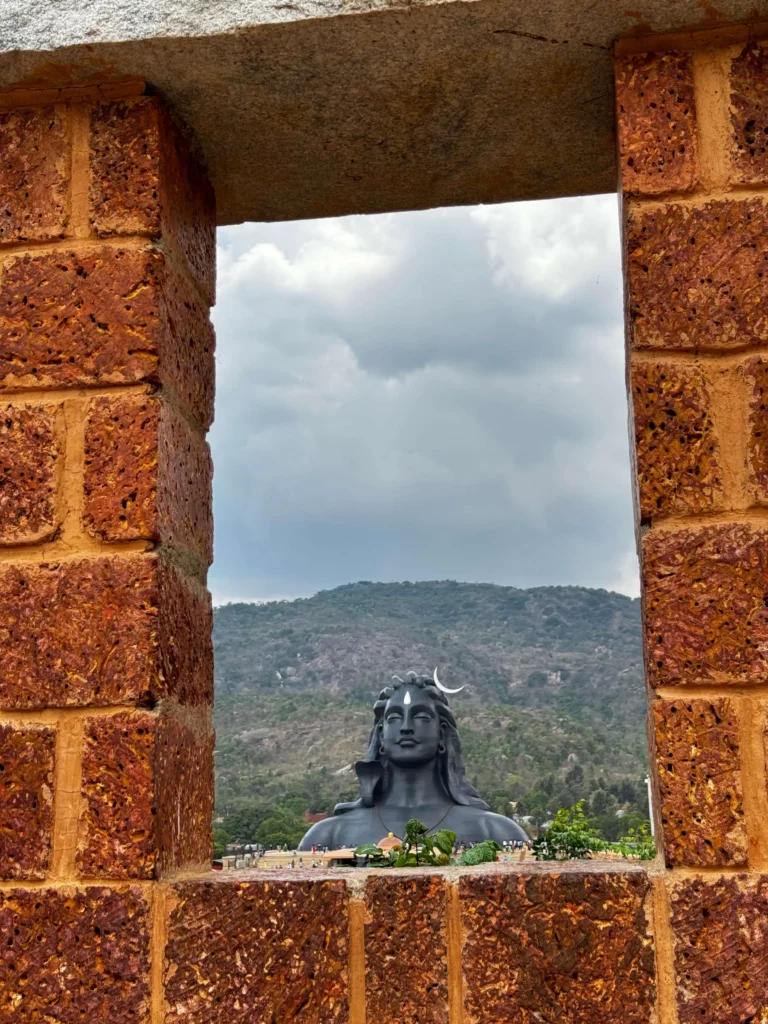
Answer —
(413, 769)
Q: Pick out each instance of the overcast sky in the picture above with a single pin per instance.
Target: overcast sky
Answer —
(422, 396)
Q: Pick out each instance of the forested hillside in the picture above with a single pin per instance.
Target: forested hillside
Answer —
(553, 710)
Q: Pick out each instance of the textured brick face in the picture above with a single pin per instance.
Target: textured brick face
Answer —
(699, 770)
(756, 378)
(261, 951)
(26, 800)
(144, 181)
(147, 475)
(34, 176)
(706, 612)
(28, 473)
(677, 452)
(749, 123)
(656, 119)
(556, 947)
(102, 631)
(406, 967)
(721, 949)
(698, 276)
(74, 956)
(113, 316)
(147, 786)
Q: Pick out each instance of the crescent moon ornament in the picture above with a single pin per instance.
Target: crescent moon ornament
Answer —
(445, 689)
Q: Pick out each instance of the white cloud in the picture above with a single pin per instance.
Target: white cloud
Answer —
(420, 396)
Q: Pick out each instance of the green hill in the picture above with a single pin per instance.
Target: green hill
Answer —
(553, 711)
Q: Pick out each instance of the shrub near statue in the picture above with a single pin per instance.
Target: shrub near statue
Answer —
(413, 769)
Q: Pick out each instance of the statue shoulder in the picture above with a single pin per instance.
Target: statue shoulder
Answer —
(503, 829)
(322, 833)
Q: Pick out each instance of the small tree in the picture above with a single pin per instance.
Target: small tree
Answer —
(570, 836)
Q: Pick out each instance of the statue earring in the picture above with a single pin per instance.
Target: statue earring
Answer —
(442, 748)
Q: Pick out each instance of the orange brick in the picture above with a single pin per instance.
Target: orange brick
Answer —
(101, 631)
(699, 767)
(270, 950)
(656, 121)
(148, 474)
(105, 316)
(26, 800)
(73, 955)
(749, 123)
(145, 180)
(147, 788)
(677, 450)
(34, 176)
(697, 276)
(706, 610)
(29, 473)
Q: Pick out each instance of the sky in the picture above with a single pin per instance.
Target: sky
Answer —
(420, 396)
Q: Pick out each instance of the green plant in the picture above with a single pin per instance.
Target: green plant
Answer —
(569, 837)
(638, 842)
(481, 853)
(420, 849)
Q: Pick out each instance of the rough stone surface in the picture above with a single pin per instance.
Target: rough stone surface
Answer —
(706, 619)
(240, 952)
(145, 181)
(699, 770)
(26, 800)
(697, 276)
(148, 474)
(556, 947)
(720, 928)
(108, 630)
(147, 787)
(74, 955)
(677, 450)
(28, 473)
(184, 783)
(34, 178)
(656, 122)
(405, 950)
(756, 377)
(748, 101)
(105, 316)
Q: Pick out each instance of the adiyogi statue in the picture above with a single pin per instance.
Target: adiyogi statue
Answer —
(413, 769)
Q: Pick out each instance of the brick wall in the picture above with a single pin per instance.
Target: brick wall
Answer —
(693, 153)
(107, 909)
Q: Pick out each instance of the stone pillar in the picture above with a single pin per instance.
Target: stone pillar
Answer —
(107, 250)
(693, 153)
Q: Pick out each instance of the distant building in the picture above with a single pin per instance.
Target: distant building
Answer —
(312, 819)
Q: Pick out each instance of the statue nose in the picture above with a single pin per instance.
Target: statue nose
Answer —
(405, 729)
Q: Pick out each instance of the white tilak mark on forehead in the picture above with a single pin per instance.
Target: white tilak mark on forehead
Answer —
(407, 698)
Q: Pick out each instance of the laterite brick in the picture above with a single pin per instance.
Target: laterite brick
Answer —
(656, 121)
(699, 770)
(720, 928)
(29, 473)
(27, 755)
(147, 784)
(111, 630)
(677, 449)
(556, 946)
(405, 924)
(697, 276)
(34, 176)
(269, 950)
(74, 955)
(145, 180)
(749, 123)
(148, 474)
(105, 316)
(706, 614)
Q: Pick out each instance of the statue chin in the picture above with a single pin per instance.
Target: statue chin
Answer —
(413, 769)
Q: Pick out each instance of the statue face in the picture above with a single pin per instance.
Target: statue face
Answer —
(410, 729)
